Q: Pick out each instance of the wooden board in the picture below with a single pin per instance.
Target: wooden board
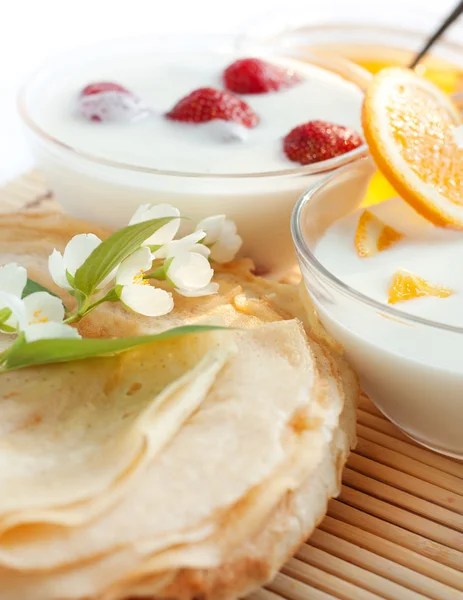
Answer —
(396, 530)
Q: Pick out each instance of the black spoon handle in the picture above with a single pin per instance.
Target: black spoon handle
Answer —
(453, 16)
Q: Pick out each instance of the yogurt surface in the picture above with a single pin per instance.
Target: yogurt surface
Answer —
(433, 253)
(412, 371)
(161, 81)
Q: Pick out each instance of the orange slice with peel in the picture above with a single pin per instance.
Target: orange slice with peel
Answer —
(408, 286)
(408, 125)
(373, 235)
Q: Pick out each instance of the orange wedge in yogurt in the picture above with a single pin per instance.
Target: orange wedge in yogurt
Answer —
(408, 286)
(373, 235)
(408, 124)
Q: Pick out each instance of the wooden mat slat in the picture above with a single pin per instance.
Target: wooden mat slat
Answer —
(293, 589)
(381, 523)
(393, 550)
(367, 429)
(333, 584)
(429, 529)
(382, 425)
(396, 531)
(385, 577)
(366, 405)
(263, 594)
(393, 460)
(388, 493)
(321, 555)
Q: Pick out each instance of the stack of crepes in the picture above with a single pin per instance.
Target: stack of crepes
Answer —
(188, 468)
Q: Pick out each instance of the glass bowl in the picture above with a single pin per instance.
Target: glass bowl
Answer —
(373, 37)
(410, 367)
(107, 191)
(363, 31)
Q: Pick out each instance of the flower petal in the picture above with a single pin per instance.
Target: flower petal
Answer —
(147, 300)
(42, 307)
(166, 234)
(189, 243)
(201, 249)
(13, 279)
(47, 331)
(78, 250)
(138, 262)
(58, 270)
(212, 288)
(147, 212)
(139, 214)
(213, 228)
(16, 305)
(107, 279)
(226, 248)
(190, 271)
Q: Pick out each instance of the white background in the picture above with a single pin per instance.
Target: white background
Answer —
(32, 30)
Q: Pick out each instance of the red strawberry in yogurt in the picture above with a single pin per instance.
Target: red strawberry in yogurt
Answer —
(257, 76)
(319, 140)
(109, 101)
(209, 104)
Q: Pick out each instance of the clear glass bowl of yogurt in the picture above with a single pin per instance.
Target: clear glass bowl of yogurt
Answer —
(372, 37)
(407, 355)
(104, 171)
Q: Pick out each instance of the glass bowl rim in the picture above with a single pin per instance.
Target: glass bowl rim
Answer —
(261, 31)
(308, 257)
(348, 67)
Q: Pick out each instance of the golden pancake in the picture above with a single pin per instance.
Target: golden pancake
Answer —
(224, 465)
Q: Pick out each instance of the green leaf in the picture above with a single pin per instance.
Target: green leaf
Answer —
(33, 286)
(112, 251)
(60, 350)
(5, 314)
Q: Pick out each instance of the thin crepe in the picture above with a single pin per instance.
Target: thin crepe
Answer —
(221, 492)
(73, 432)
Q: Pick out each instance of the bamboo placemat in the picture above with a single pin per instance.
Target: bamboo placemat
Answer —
(396, 530)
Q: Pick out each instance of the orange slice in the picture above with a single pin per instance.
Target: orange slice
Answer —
(408, 125)
(373, 235)
(407, 286)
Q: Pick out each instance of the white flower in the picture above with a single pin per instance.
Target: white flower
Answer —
(13, 279)
(189, 243)
(38, 316)
(75, 254)
(165, 234)
(458, 135)
(221, 237)
(191, 274)
(16, 308)
(42, 318)
(136, 292)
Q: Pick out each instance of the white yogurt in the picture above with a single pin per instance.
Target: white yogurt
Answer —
(159, 143)
(412, 371)
(261, 206)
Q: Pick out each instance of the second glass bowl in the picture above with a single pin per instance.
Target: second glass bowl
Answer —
(410, 367)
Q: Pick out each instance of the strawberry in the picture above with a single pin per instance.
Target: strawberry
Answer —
(256, 76)
(207, 104)
(318, 140)
(108, 101)
(103, 86)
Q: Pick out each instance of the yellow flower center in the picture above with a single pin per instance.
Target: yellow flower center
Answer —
(138, 279)
(36, 318)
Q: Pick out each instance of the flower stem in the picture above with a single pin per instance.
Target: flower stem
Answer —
(87, 308)
(159, 274)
